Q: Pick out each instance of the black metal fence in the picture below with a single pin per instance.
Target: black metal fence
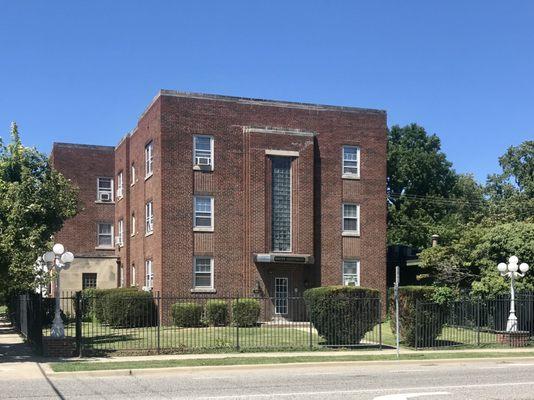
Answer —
(179, 324)
(472, 323)
(25, 314)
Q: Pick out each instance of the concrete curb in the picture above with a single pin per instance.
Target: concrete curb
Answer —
(192, 369)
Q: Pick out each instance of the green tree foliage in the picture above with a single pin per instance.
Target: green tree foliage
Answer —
(425, 195)
(35, 200)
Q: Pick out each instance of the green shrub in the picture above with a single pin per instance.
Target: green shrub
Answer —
(94, 303)
(343, 315)
(429, 321)
(186, 314)
(128, 308)
(216, 312)
(245, 312)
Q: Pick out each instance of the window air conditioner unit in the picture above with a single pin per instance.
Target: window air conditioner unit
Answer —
(203, 160)
(105, 196)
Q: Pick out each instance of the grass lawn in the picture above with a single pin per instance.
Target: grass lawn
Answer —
(114, 365)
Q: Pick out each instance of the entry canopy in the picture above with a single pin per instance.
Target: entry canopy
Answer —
(283, 258)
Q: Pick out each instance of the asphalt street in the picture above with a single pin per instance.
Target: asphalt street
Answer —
(497, 379)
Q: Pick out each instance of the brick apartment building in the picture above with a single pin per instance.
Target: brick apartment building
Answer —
(223, 195)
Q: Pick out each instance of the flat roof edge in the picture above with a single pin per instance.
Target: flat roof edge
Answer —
(83, 146)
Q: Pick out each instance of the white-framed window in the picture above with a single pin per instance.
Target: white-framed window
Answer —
(132, 225)
(351, 162)
(351, 219)
(281, 294)
(149, 218)
(132, 275)
(119, 186)
(203, 151)
(104, 190)
(149, 159)
(122, 276)
(120, 232)
(351, 272)
(105, 235)
(203, 218)
(203, 273)
(149, 275)
(132, 174)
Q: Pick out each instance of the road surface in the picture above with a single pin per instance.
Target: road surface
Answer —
(497, 379)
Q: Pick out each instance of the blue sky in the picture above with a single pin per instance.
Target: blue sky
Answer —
(83, 71)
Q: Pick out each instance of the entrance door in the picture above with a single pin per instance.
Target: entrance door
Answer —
(281, 292)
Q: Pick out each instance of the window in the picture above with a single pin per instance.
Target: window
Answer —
(132, 174)
(281, 293)
(351, 161)
(149, 218)
(132, 275)
(281, 204)
(105, 235)
(88, 281)
(122, 276)
(105, 190)
(120, 233)
(203, 272)
(203, 212)
(351, 219)
(149, 159)
(119, 186)
(133, 228)
(203, 151)
(351, 272)
(149, 275)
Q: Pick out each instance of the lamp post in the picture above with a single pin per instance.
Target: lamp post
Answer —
(510, 270)
(58, 259)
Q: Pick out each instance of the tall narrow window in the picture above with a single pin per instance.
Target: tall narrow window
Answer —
(105, 235)
(133, 227)
(122, 276)
(203, 273)
(281, 204)
(351, 272)
(149, 275)
(149, 220)
(203, 218)
(351, 219)
(149, 159)
(120, 233)
(104, 190)
(351, 161)
(132, 275)
(132, 174)
(119, 186)
(203, 151)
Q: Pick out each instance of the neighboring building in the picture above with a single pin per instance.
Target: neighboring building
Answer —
(89, 235)
(221, 196)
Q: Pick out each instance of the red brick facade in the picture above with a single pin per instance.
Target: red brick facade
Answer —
(246, 134)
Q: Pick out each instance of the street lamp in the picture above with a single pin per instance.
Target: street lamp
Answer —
(58, 259)
(510, 270)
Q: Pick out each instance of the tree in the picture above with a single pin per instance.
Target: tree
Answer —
(425, 195)
(35, 200)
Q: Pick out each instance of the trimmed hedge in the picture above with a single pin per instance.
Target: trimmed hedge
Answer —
(128, 308)
(430, 319)
(343, 315)
(187, 315)
(216, 313)
(245, 312)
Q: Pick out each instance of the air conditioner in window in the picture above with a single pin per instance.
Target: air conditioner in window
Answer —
(202, 160)
(104, 196)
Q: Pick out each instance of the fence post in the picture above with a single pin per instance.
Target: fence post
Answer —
(158, 319)
(380, 323)
(237, 324)
(478, 323)
(311, 326)
(78, 322)
(416, 325)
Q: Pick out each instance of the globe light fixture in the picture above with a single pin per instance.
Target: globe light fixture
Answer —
(59, 260)
(510, 270)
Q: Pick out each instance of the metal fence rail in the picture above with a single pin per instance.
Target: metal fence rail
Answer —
(471, 323)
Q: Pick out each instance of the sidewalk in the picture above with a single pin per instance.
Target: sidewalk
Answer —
(16, 357)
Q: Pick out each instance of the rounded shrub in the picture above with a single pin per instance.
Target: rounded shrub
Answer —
(418, 327)
(186, 315)
(245, 312)
(343, 315)
(216, 313)
(129, 308)
(94, 303)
